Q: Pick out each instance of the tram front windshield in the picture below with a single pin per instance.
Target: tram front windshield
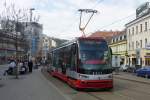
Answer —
(94, 57)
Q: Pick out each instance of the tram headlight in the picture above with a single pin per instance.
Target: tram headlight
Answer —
(83, 76)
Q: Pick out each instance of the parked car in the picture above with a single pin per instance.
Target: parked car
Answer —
(144, 71)
(131, 69)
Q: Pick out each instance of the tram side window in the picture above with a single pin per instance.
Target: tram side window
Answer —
(60, 58)
(67, 56)
(56, 60)
(73, 57)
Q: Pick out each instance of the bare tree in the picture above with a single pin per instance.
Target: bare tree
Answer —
(11, 17)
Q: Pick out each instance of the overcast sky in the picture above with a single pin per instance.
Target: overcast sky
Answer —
(60, 18)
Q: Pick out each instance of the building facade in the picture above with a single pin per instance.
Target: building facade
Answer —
(8, 44)
(118, 45)
(26, 33)
(33, 32)
(45, 45)
(138, 37)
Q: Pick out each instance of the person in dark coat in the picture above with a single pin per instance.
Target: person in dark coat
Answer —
(30, 65)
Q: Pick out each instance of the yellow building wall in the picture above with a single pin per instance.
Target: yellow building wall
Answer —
(120, 49)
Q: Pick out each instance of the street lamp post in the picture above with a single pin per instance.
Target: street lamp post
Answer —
(16, 71)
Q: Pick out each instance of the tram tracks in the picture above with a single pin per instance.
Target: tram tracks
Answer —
(72, 92)
(95, 96)
(78, 93)
(132, 80)
(122, 90)
(134, 89)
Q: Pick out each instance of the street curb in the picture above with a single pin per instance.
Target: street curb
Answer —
(132, 80)
(45, 74)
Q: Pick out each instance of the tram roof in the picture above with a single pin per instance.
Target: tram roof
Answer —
(75, 40)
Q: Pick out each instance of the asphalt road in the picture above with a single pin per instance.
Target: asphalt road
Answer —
(42, 86)
(123, 90)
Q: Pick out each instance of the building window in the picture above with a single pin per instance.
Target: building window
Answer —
(125, 37)
(145, 26)
(145, 41)
(141, 43)
(136, 29)
(132, 30)
(129, 32)
(140, 27)
(120, 38)
(113, 40)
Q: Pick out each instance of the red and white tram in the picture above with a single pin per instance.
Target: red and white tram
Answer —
(83, 63)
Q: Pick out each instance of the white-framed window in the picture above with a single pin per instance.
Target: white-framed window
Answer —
(141, 28)
(145, 41)
(136, 29)
(129, 32)
(145, 26)
(125, 37)
(120, 38)
(141, 43)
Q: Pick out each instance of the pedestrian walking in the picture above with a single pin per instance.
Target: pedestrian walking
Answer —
(11, 67)
(30, 65)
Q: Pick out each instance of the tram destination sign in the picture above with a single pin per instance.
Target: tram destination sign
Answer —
(143, 10)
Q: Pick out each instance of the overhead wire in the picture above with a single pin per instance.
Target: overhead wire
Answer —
(75, 21)
(97, 3)
(114, 22)
(118, 21)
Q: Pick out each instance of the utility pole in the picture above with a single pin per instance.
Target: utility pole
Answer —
(16, 32)
(85, 11)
